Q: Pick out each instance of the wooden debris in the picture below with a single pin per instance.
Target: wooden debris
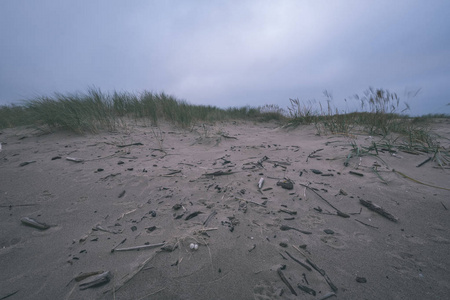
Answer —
(33, 223)
(83, 276)
(133, 144)
(424, 162)
(26, 163)
(339, 213)
(192, 215)
(378, 209)
(299, 261)
(74, 159)
(312, 153)
(286, 282)
(209, 218)
(366, 224)
(95, 281)
(259, 204)
(306, 289)
(356, 173)
(322, 272)
(291, 212)
(140, 247)
(444, 206)
(219, 173)
(114, 249)
(286, 227)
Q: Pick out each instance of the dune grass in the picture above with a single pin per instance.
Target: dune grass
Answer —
(95, 111)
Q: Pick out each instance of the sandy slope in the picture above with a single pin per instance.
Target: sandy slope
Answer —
(128, 194)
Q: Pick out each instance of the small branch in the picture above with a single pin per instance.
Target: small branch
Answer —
(286, 282)
(378, 209)
(140, 247)
(366, 224)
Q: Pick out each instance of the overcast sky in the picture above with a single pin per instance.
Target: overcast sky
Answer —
(228, 53)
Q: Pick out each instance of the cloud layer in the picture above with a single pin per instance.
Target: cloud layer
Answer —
(227, 53)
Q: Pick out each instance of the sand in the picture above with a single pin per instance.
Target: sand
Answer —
(143, 186)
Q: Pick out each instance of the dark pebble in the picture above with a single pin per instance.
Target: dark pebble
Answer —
(153, 213)
(316, 171)
(100, 170)
(284, 245)
(328, 231)
(133, 228)
(120, 162)
(361, 279)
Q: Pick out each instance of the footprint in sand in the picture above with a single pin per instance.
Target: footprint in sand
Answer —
(265, 291)
(362, 237)
(334, 242)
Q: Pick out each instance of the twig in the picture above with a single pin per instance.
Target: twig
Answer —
(286, 282)
(378, 209)
(259, 204)
(291, 212)
(424, 162)
(140, 247)
(444, 206)
(322, 272)
(339, 213)
(356, 173)
(366, 224)
(218, 173)
(298, 261)
(315, 151)
(127, 145)
(209, 218)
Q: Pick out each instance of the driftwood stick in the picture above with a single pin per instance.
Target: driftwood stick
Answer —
(299, 261)
(322, 272)
(366, 224)
(218, 173)
(286, 282)
(378, 209)
(140, 247)
(127, 145)
(291, 212)
(209, 218)
(339, 213)
(424, 162)
(259, 204)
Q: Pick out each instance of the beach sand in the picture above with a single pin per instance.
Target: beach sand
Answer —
(166, 186)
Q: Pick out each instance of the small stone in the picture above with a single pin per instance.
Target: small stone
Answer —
(283, 244)
(120, 162)
(328, 231)
(153, 213)
(361, 279)
(342, 192)
(316, 171)
(287, 184)
(133, 228)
